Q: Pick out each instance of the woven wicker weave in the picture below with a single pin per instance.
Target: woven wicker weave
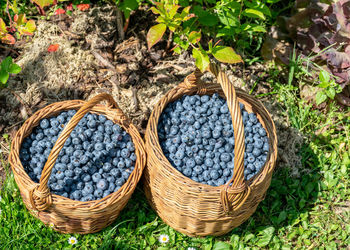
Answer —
(63, 214)
(198, 209)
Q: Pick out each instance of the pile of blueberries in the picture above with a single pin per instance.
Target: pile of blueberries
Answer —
(96, 159)
(196, 135)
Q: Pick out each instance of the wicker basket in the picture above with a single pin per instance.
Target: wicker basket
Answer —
(197, 209)
(63, 214)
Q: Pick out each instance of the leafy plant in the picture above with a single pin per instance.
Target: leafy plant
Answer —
(127, 6)
(18, 27)
(328, 86)
(240, 22)
(323, 29)
(186, 35)
(7, 67)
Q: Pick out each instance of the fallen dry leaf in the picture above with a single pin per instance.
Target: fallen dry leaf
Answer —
(53, 48)
(60, 11)
(83, 6)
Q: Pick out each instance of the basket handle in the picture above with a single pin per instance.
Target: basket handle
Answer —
(40, 196)
(236, 191)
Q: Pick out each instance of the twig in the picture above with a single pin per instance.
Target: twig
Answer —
(134, 97)
(120, 28)
(14, 125)
(169, 41)
(8, 13)
(104, 61)
(126, 24)
(12, 50)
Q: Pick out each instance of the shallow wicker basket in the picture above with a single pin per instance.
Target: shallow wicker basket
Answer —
(197, 209)
(63, 214)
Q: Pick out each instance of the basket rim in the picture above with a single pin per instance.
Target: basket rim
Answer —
(173, 96)
(18, 169)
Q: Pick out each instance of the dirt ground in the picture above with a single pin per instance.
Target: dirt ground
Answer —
(92, 58)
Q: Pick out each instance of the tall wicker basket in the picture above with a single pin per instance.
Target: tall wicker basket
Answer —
(63, 214)
(197, 209)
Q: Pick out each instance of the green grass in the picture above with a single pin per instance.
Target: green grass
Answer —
(307, 212)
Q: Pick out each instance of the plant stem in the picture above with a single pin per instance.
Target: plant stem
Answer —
(126, 24)
(8, 13)
(12, 50)
(170, 38)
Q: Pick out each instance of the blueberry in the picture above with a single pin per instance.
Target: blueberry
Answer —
(214, 174)
(68, 173)
(266, 147)
(88, 189)
(226, 172)
(102, 184)
(86, 177)
(256, 152)
(77, 195)
(91, 124)
(180, 154)
(98, 193)
(44, 123)
(96, 177)
(220, 182)
(120, 182)
(208, 162)
(187, 171)
(106, 193)
(251, 159)
(107, 167)
(225, 157)
(71, 112)
(198, 170)
(190, 163)
(125, 153)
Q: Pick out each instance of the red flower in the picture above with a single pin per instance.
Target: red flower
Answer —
(53, 48)
(60, 11)
(83, 6)
(70, 7)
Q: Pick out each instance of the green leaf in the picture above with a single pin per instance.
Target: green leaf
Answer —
(6, 63)
(4, 76)
(14, 69)
(282, 216)
(309, 187)
(30, 26)
(43, 3)
(219, 245)
(257, 5)
(228, 18)
(226, 55)
(205, 17)
(130, 5)
(320, 97)
(330, 92)
(3, 29)
(177, 50)
(226, 31)
(248, 237)
(154, 34)
(194, 37)
(172, 11)
(202, 59)
(323, 85)
(254, 13)
(265, 236)
(258, 28)
(155, 10)
(324, 77)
